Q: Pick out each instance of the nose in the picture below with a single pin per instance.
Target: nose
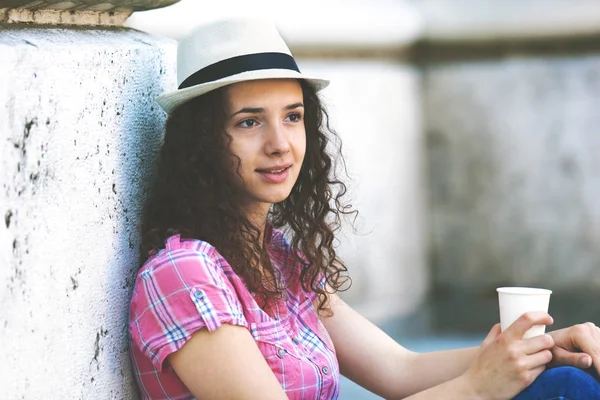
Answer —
(277, 142)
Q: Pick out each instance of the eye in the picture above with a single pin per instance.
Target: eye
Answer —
(295, 117)
(247, 123)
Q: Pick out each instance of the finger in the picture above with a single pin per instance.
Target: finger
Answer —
(537, 344)
(594, 349)
(537, 360)
(526, 321)
(596, 361)
(528, 377)
(494, 333)
(561, 356)
(586, 337)
(535, 372)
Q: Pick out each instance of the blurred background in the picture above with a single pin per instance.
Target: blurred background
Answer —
(471, 133)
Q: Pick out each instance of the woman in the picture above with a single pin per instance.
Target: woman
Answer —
(228, 307)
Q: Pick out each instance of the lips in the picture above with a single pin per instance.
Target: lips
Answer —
(274, 170)
(275, 174)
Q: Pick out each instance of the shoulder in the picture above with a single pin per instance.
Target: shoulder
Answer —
(184, 264)
(177, 278)
(184, 256)
(185, 287)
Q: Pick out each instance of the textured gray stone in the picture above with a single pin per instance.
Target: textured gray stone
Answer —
(513, 147)
(95, 5)
(58, 17)
(77, 12)
(79, 133)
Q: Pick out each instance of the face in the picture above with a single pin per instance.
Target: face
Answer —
(265, 119)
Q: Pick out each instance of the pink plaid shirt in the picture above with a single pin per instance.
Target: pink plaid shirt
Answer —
(189, 286)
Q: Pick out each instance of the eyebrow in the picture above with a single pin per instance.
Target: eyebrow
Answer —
(293, 106)
(258, 110)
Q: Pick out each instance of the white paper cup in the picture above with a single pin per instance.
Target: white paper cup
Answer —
(516, 301)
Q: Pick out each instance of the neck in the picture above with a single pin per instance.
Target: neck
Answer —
(257, 215)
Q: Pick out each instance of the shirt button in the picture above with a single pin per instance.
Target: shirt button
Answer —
(295, 340)
(325, 370)
(280, 353)
(198, 294)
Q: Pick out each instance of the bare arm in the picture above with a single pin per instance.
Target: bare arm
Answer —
(376, 362)
(225, 364)
(500, 368)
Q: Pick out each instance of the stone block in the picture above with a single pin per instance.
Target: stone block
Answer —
(512, 149)
(79, 134)
(93, 5)
(77, 12)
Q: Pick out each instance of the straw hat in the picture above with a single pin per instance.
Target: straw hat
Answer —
(231, 51)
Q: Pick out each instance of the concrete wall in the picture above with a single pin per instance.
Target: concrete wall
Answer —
(78, 136)
(510, 104)
(513, 150)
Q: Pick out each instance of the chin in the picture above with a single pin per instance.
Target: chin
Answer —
(276, 197)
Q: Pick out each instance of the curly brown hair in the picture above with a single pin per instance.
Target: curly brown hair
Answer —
(195, 195)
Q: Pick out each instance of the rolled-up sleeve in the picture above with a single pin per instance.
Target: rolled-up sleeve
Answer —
(184, 292)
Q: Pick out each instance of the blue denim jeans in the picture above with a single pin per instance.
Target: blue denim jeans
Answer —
(564, 383)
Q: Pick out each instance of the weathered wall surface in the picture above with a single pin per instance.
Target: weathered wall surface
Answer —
(79, 132)
(513, 160)
(513, 151)
(74, 12)
(510, 107)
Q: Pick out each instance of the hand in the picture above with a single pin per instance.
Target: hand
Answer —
(506, 363)
(577, 346)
